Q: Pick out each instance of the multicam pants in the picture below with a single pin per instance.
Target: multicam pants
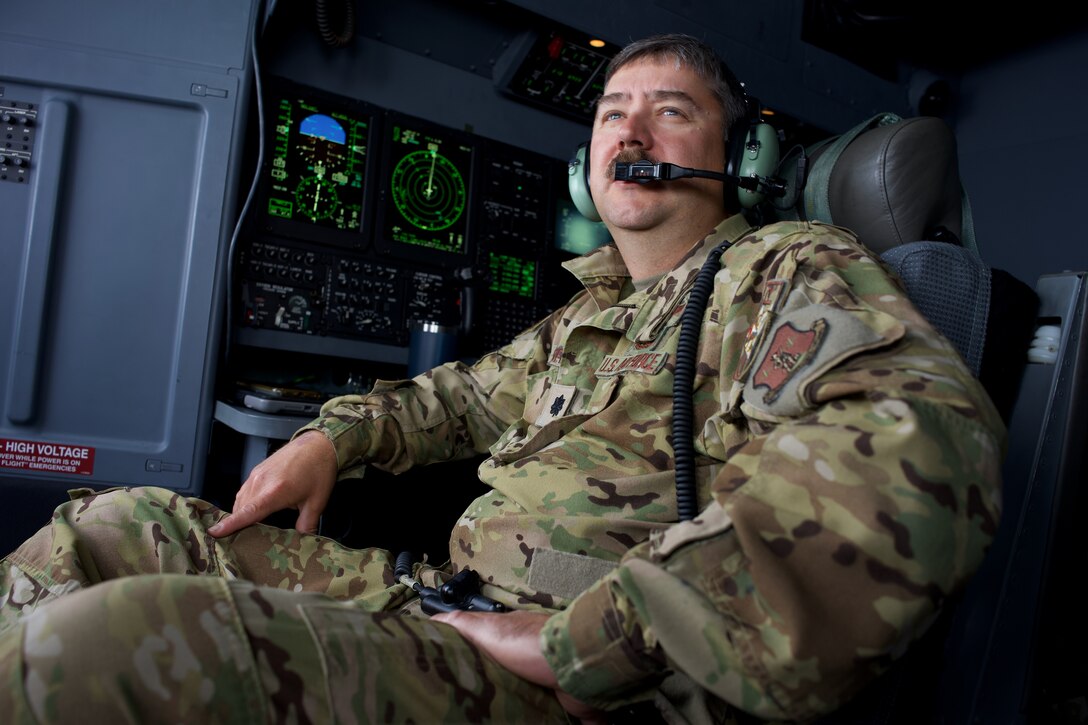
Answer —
(124, 609)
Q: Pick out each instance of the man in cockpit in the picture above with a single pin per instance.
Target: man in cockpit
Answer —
(846, 483)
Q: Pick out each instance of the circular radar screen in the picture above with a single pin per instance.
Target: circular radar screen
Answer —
(428, 190)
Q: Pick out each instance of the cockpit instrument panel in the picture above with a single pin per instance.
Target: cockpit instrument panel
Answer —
(371, 219)
(561, 70)
(316, 170)
(426, 187)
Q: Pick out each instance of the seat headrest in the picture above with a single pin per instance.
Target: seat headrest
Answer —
(892, 184)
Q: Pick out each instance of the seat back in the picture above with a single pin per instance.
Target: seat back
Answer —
(935, 271)
(895, 183)
(891, 180)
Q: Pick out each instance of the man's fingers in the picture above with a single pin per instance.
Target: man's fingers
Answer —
(513, 640)
(299, 475)
(241, 518)
(308, 520)
(223, 527)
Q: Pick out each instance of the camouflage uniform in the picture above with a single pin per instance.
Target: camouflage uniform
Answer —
(847, 474)
(267, 625)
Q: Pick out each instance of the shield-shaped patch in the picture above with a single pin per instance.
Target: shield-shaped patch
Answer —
(789, 350)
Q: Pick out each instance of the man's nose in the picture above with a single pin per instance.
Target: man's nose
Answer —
(634, 132)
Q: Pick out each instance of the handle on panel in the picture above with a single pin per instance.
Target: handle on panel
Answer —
(38, 247)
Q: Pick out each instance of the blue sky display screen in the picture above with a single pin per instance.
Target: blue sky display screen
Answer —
(318, 165)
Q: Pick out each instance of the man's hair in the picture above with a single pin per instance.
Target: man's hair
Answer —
(689, 52)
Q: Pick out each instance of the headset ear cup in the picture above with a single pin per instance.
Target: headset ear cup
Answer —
(753, 151)
(759, 157)
(578, 183)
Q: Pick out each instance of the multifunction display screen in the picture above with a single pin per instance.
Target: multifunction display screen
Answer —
(428, 181)
(317, 168)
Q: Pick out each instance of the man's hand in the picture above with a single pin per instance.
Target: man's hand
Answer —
(513, 640)
(300, 475)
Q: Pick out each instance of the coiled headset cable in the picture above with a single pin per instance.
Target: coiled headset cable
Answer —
(683, 382)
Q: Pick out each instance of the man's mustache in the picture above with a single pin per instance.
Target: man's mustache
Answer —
(627, 156)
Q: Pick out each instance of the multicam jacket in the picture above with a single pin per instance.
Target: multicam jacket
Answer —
(847, 473)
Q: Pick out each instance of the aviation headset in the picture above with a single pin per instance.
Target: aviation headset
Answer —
(751, 158)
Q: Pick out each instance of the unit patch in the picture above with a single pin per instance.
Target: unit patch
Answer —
(647, 363)
(790, 350)
(556, 358)
(802, 345)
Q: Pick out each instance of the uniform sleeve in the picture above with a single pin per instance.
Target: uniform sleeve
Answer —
(453, 411)
(836, 529)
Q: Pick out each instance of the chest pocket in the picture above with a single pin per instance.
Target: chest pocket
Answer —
(556, 410)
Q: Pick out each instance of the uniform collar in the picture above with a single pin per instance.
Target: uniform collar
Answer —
(606, 279)
(603, 274)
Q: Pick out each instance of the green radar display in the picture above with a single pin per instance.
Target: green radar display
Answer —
(317, 167)
(428, 188)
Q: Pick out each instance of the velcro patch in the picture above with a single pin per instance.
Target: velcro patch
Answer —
(801, 346)
(560, 398)
(789, 350)
(563, 574)
(647, 363)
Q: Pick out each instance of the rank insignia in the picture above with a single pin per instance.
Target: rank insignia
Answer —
(789, 350)
(557, 403)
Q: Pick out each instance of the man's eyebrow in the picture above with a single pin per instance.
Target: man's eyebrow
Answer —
(671, 95)
(658, 95)
(613, 98)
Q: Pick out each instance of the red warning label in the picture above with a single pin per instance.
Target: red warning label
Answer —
(50, 457)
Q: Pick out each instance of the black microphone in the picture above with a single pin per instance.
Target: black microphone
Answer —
(644, 171)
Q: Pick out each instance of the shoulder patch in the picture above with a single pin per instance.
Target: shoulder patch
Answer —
(788, 351)
(802, 345)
